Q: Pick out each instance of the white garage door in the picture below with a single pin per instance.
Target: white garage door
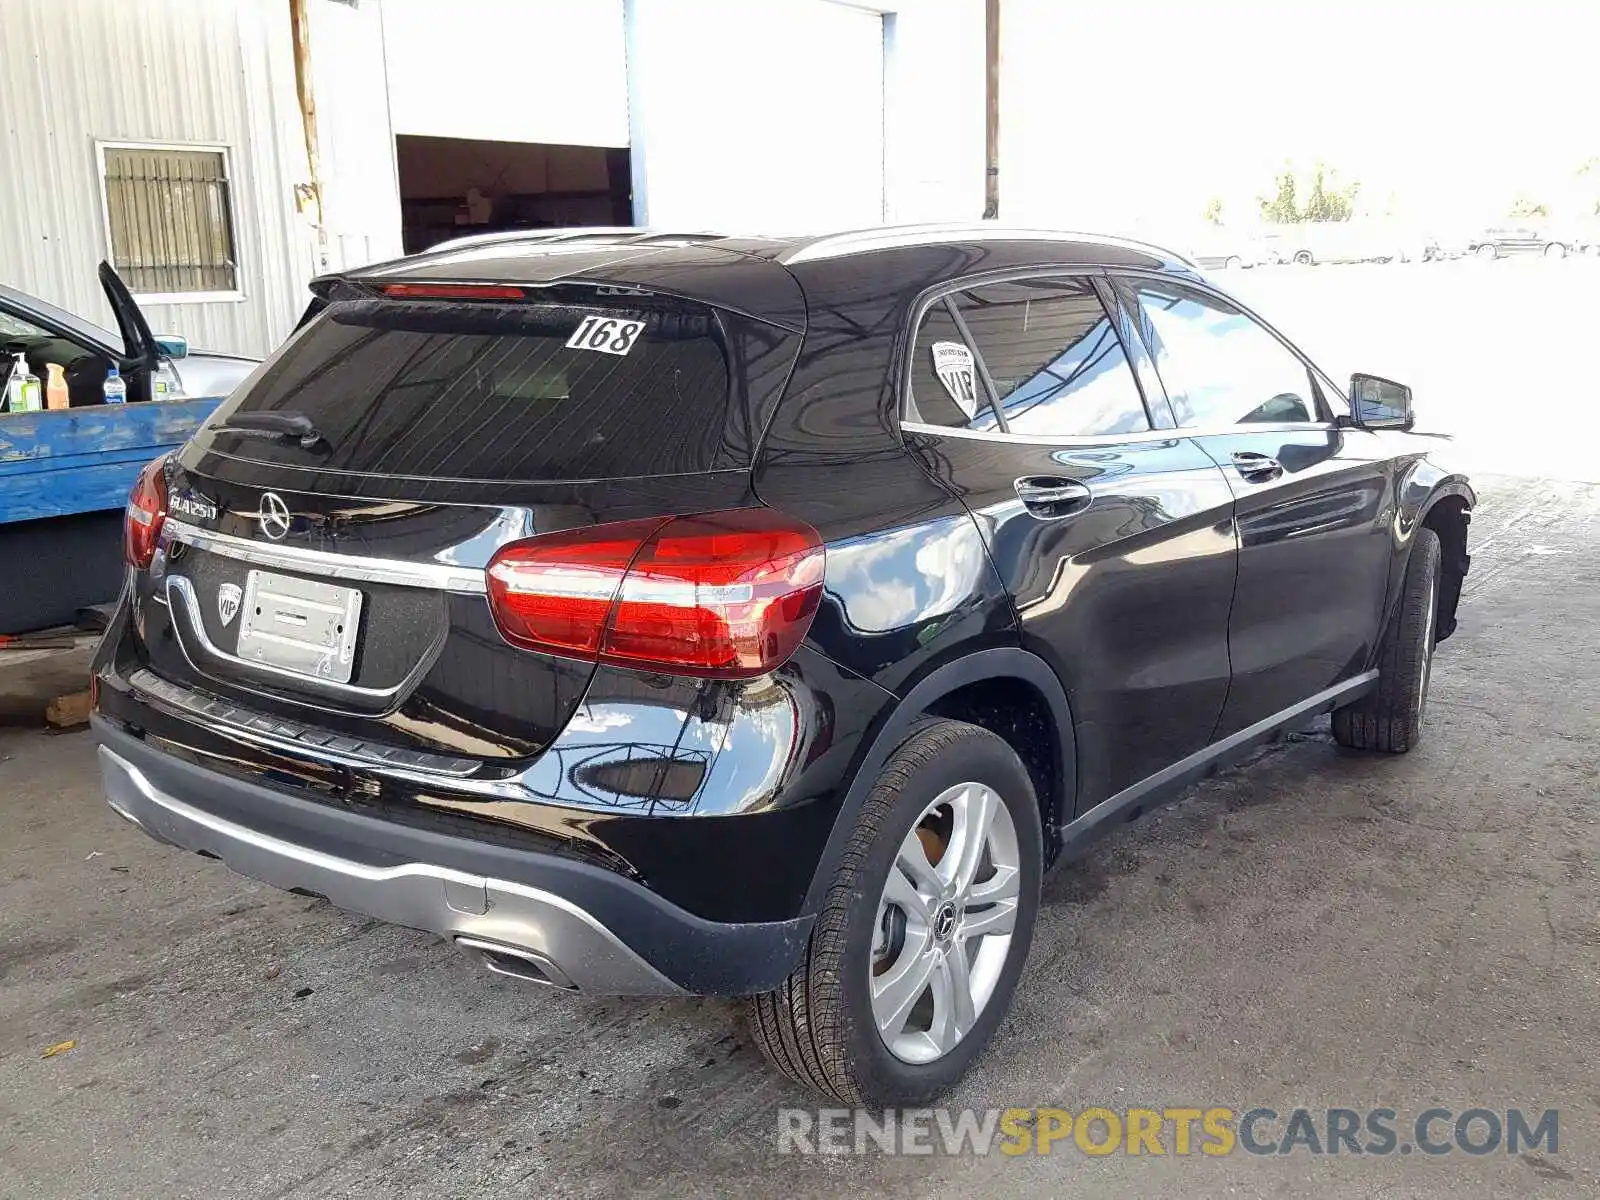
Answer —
(756, 117)
(508, 70)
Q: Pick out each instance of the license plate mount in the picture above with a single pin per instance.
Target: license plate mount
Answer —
(299, 625)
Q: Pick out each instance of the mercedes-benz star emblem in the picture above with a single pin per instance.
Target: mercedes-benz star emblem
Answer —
(273, 515)
(228, 597)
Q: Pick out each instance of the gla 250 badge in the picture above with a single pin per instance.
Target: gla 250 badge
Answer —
(193, 506)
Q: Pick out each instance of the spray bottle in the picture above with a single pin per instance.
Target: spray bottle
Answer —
(56, 395)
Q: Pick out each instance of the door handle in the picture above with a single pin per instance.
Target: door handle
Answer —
(1253, 466)
(1051, 497)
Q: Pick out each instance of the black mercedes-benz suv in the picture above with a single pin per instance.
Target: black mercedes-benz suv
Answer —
(656, 614)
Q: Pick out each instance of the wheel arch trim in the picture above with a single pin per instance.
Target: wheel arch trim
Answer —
(993, 663)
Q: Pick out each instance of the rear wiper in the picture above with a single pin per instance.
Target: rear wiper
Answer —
(275, 424)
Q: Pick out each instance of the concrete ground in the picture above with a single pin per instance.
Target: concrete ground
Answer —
(1317, 929)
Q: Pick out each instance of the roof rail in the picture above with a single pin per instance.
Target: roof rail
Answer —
(893, 237)
(573, 233)
(534, 235)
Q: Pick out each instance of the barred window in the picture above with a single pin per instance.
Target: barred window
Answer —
(169, 217)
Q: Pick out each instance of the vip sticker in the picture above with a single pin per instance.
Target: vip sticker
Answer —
(952, 363)
(228, 597)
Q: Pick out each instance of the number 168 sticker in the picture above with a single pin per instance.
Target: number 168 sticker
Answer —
(607, 335)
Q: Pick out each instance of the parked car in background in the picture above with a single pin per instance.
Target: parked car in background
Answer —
(1309, 242)
(1222, 248)
(663, 614)
(46, 334)
(1507, 241)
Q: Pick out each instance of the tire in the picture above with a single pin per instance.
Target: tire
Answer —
(1555, 250)
(820, 1028)
(1486, 252)
(1234, 263)
(1390, 718)
(1303, 258)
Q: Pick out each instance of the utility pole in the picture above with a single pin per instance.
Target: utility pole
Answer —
(991, 101)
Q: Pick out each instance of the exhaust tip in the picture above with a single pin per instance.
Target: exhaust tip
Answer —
(517, 963)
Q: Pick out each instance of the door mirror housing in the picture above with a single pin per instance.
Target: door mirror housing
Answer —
(172, 345)
(1377, 403)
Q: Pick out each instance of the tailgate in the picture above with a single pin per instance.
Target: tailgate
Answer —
(323, 559)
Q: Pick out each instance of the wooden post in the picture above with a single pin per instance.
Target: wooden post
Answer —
(308, 195)
(991, 180)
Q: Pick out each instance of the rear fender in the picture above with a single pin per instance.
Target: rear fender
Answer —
(892, 728)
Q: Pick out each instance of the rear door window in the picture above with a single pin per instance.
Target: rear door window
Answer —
(494, 392)
(1056, 363)
(1220, 366)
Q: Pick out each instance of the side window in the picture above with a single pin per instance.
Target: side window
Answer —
(1220, 367)
(13, 326)
(1057, 364)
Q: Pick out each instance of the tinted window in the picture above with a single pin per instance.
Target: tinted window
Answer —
(492, 392)
(1219, 366)
(1057, 365)
(13, 326)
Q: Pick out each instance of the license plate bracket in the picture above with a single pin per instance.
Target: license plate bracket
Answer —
(299, 625)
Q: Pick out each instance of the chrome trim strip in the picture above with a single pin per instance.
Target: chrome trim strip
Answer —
(438, 576)
(1084, 439)
(423, 896)
(1115, 439)
(377, 699)
(862, 241)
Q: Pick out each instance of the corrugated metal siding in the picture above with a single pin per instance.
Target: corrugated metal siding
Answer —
(215, 71)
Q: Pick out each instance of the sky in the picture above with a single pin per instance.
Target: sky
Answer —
(1131, 114)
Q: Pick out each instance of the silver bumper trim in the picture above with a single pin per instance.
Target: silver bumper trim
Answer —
(425, 896)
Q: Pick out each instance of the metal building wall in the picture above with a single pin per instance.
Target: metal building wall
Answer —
(213, 71)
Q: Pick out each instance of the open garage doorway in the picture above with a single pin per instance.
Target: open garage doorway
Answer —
(453, 187)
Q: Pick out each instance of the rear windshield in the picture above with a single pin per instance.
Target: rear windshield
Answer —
(490, 391)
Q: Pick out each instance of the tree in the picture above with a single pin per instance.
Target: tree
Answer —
(1590, 171)
(1329, 202)
(1281, 209)
(1525, 207)
(1213, 212)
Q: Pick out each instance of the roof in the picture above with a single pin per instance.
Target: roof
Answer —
(759, 276)
(790, 249)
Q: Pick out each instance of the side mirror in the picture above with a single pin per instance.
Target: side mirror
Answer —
(1379, 403)
(172, 345)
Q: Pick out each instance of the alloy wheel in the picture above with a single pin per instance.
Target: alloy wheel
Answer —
(944, 923)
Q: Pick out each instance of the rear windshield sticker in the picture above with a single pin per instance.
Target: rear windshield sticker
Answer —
(605, 335)
(952, 363)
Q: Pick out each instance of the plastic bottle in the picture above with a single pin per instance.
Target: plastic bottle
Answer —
(55, 387)
(164, 383)
(22, 393)
(115, 389)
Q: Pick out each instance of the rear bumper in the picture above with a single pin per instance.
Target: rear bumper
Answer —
(533, 914)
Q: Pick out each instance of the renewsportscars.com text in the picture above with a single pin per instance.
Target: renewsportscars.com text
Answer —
(1207, 1132)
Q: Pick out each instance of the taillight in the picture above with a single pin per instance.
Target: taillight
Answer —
(726, 594)
(147, 509)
